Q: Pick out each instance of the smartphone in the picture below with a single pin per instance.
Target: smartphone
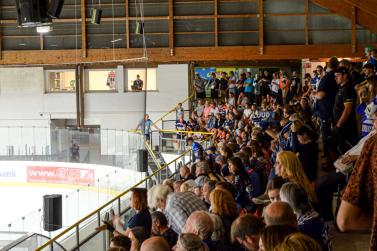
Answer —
(109, 226)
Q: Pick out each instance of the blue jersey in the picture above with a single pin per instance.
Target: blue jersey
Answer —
(197, 150)
(180, 126)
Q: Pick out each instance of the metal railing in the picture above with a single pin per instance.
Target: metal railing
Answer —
(97, 215)
(81, 145)
(192, 96)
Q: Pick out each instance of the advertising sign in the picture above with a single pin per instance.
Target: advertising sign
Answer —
(60, 175)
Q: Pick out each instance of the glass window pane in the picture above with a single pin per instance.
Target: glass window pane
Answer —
(137, 84)
(60, 80)
(102, 80)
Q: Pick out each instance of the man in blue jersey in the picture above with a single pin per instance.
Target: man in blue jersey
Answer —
(145, 126)
(196, 148)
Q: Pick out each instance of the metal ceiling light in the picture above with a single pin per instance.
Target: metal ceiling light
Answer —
(96, 13)
(44, 29)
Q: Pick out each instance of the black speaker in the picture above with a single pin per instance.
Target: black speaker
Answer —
(96, 16)
(142, 160)
(55, 9)
(52, 212)
(28, 13)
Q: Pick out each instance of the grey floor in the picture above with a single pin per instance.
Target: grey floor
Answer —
(350, 241)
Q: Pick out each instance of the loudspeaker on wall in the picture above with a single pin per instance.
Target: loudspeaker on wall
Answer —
(52, 212)
(142, 160)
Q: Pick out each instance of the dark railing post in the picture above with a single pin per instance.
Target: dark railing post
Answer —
(119, 207)
(78, 237)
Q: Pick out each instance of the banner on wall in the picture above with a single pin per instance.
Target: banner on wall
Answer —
(60, 175)
(205, 72)
(11, 174)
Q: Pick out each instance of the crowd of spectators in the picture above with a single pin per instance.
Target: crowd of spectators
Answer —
(258, 186)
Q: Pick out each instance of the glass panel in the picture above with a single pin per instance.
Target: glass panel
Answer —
(330, 37)
(238, 7)
(60, 80)
(193, 40)
(136, 79)
(234, 39)
(151, 40)
(197, 25)
(101, 80)
(187, 8)
(238, 24)
(284, 22)
(286, 6)
(329, 22)
(95, 243)
(150, 8)
(285, 37)
(21, 43)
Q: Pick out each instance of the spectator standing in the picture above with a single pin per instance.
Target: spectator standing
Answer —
(214, 85)
(248, 87)
(146, 127)
(223, 84)
(345, 124)
(295, 84)
(199, 85)
(275, 85)
(325, 100)
(138, 84)
(196, 148)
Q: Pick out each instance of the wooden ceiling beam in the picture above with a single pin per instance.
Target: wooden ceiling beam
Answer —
(182, 54)
(260, 27)
(341, 7)
(216, 22)
(368, 6)
(127, 24)
(171, 27)
(83, 30)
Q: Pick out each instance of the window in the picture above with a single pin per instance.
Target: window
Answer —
(101, 80)
(136, 79)
(60, 80)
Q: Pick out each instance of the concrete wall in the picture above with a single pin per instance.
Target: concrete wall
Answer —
(23, 99)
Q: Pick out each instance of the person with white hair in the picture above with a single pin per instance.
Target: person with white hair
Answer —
(177, 207)
(308, 221)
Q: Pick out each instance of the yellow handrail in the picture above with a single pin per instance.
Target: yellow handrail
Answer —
(51, 241)
(172, 110)
(191, 132)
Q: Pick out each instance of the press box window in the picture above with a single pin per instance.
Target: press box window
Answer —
(60, 80)
(101, 80)
(136, 79)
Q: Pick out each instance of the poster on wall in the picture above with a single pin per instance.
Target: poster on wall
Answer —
(205, 72)
(219, 70)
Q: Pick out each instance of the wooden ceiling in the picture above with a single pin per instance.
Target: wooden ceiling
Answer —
(194, 30)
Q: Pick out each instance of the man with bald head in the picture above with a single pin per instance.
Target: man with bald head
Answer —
(279, 213)
(155, 244)
(201, 224)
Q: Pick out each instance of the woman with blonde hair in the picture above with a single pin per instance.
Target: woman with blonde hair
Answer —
(225, 207)
(298, 242)
(289, 167)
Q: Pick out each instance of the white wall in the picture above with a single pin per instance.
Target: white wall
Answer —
(22, 99)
